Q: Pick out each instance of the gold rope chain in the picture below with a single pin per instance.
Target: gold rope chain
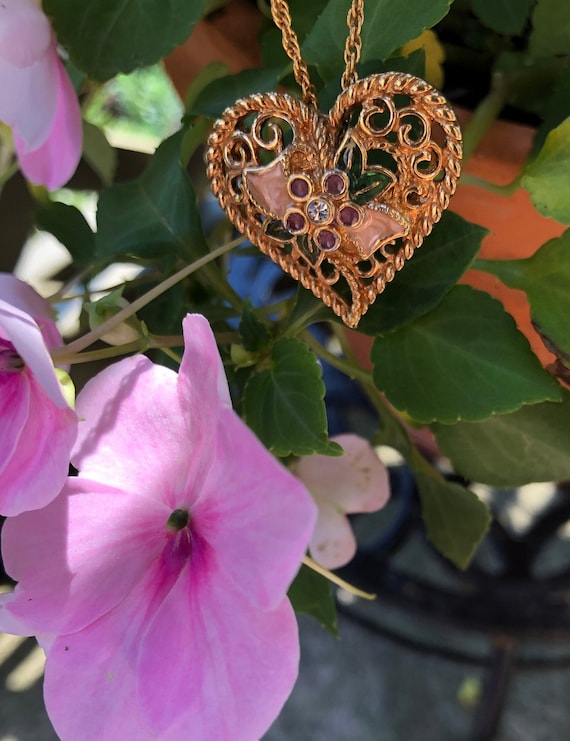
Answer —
(354, 19)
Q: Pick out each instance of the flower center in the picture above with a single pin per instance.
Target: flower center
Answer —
(10, 361)
(178, 520)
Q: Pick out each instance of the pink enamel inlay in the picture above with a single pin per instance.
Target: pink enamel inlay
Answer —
(267, 186)
(376, 229)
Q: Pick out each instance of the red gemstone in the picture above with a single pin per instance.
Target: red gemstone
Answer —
(299, 188)
(327, 240)
(334, 184)
(348, 215)
(295, 222)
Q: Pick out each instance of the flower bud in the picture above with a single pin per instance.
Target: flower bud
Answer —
(109, 306)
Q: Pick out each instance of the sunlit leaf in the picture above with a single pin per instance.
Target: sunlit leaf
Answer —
(508, 450)
(465, 360)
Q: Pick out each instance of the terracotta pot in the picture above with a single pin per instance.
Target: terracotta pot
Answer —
(516, 229)
(229, 35)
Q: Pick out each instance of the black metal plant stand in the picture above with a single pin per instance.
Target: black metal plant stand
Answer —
(505, 596)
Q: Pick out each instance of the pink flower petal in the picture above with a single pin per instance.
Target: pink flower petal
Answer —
(8, 622)
(38, 466)
(25, 32)
(133, 430)
(28, 72)
(56, 159)
(202, 380)
(333, 544)
(252, 511)
(81, 555)
(26, 336)
(355, 482)
(21, 295)
(90, 678)
(14, 411)
(213, 667)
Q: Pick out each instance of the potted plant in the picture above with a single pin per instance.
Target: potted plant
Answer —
(445, 354)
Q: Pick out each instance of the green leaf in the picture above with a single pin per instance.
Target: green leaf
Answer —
(545, 278)
(254, 332)
(465, 360)
(68, 225)
(550, 28)
(389, 24)
(105, 37)
(284, 404)
(98, 153)
(224, 91)
(212, 71)
(456, 519)
(433, 270)
(311, 594)
(413, 64)
(529, 445)
(546, 177)
(504, 16)
(155, 215)
(303, 16)
(369, 185)
(307, 310)
(555, 109)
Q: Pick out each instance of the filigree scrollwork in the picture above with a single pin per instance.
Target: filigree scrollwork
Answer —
(339, 202)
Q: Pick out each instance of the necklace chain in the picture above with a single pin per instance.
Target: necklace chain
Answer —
(282, 17)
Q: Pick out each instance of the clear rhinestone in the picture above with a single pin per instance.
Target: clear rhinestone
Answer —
(319, 211)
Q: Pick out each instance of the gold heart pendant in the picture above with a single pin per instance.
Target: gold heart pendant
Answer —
(340, 202)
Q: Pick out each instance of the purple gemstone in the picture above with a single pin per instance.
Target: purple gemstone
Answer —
(295, 222)
(348, 215)
(327, 240)
(299, 188)
(334, 184)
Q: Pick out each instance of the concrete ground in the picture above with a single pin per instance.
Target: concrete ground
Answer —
(358, 688)
(361, 687)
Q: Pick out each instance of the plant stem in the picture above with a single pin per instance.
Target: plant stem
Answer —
(143, 344)
(484, 115)
(501, 190)
(348, 368)
(308, 561)
(88, 339)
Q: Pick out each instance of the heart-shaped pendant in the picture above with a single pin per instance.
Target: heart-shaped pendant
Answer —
(341, 201)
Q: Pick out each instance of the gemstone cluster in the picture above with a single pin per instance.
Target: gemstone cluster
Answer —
(319, 212)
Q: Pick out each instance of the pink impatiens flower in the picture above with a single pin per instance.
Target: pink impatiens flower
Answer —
(354, 482)
(37, 99)
(160, 573)
(38, 428)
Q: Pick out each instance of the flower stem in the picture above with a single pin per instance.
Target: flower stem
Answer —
(502, 190)
(484, 115)
(348, 368)
(145, 343)
(308, 561)
(91, 337)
